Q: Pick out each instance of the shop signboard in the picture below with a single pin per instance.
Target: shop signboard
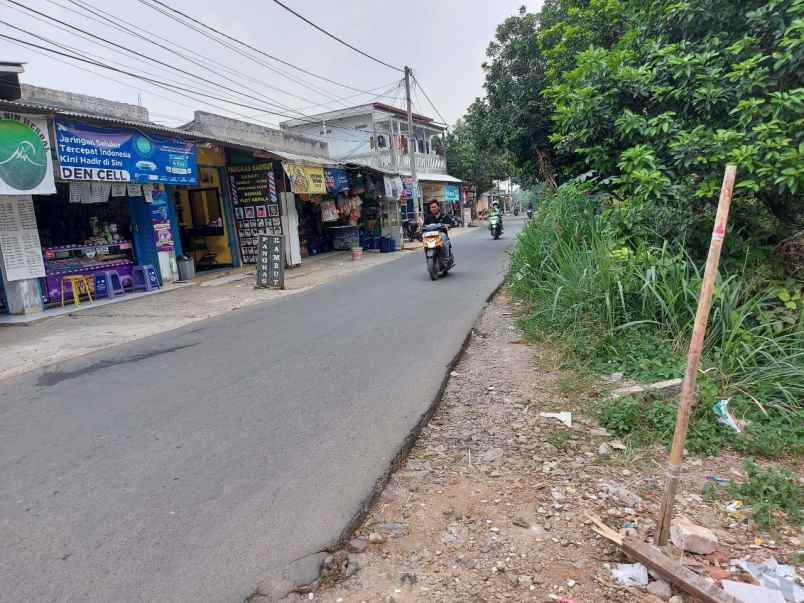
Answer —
(163, 233)
(432, 190)
(451, 193)
(306, 180)
(271, 262)
(256, 206)
(88, 152)
(337, 180)
(20, 250)
(26, 167)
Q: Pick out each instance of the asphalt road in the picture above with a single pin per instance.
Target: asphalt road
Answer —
(194, 465)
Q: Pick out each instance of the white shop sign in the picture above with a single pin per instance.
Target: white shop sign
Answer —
(20, 251)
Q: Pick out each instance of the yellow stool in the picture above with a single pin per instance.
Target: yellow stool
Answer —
(79, 283)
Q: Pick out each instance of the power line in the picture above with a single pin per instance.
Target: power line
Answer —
(430, 101)
(189, 24)
(245, 44)
(108, 18)
(139, 54)
(301, 117)
(170, 87)
(334, 37)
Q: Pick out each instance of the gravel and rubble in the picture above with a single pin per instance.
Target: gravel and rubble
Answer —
(492, 503)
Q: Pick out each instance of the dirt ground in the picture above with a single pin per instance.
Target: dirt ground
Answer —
(491, 504)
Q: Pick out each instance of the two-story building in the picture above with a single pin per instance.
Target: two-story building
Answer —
(376, 135)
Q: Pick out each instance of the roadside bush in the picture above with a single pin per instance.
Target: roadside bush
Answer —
(630, 306)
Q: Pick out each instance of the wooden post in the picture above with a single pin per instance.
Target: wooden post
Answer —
(694, 355)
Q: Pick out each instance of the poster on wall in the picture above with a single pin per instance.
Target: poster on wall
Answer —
(337, 180)
(26, 166)
(393, 187)
(88, 152)
(306, 180)
(407, 187)
(256, 206)
(163, 233)
(20, 250)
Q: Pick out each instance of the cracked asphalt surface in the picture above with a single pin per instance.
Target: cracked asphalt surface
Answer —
(200, 463)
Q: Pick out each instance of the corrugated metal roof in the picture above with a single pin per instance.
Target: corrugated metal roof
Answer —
(42, 109)
(438, 178)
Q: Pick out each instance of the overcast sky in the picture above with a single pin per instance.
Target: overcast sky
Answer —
(444, 41)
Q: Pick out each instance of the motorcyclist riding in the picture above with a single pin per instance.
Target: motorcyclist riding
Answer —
(435, 216)
(495, 211)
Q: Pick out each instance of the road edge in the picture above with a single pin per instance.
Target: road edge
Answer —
(381, 482)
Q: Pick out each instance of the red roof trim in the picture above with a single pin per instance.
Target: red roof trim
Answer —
(398, 111)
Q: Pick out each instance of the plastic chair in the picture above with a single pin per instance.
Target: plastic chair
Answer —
(144, 278)
(78, 283)
(110, 282)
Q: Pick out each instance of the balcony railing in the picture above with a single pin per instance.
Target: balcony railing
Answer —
(384, 159)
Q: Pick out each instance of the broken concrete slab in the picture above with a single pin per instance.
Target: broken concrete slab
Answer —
(670, 387)
(692, 538)
(748, 593)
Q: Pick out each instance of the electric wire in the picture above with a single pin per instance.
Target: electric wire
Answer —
(334, 37)
(107, 18)
(301, 117)
(182, 91)
(199, 23)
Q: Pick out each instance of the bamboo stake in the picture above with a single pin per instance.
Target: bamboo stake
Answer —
(694, 355)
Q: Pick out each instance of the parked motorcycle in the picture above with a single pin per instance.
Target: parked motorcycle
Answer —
(495, 226)
(412, 230)
(516, 210)
(438, 260)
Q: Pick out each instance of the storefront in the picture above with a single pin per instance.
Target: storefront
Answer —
(109, 227)
(349, 211)
(204, 214)
(255, 189)
(445, 190)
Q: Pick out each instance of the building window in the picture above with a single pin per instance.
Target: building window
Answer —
(380, 141)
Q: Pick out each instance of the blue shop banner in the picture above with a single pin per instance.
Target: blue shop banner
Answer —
(451, 193)
(122, 155)
(337, 180)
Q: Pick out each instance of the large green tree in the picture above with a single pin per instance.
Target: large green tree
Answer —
(687, 88)
(471, 154)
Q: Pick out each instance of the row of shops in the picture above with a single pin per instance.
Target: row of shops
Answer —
(104, 206)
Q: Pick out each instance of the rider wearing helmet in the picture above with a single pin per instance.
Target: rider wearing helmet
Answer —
(495, 211)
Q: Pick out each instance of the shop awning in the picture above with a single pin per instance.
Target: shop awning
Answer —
(309, 159)
(438, 178)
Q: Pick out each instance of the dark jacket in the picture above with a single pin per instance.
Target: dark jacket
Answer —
(441, 218)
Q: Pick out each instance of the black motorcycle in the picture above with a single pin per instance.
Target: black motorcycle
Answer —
(438, 260)
(412, 230)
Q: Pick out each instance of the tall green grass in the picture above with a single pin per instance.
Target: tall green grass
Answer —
(633, 305)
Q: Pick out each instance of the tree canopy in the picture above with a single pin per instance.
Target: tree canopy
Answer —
(653, 98)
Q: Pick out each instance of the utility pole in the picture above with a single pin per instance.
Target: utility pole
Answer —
(411, 151)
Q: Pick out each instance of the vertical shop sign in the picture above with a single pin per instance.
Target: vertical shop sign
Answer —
(20, 250)
(26, 166)
(163, 233)
(271, 262)
(256, 206)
